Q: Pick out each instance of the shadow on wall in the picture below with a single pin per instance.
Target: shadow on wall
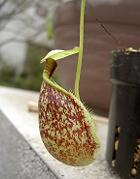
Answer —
(95, 82)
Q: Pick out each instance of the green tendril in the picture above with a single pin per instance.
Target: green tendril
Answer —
(81, 45)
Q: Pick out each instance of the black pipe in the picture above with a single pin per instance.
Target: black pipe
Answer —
(123, 145)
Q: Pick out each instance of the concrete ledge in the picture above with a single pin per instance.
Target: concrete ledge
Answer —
(22, 153)
(17, 157)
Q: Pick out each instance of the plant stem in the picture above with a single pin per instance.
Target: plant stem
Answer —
(81, 45)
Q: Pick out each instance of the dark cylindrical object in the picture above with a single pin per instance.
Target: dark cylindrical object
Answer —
(123, 147)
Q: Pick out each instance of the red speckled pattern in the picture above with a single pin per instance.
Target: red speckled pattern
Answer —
(63, 128)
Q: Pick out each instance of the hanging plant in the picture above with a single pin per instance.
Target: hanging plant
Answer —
(67, 128)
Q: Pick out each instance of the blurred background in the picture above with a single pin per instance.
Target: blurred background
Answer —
(30, 28)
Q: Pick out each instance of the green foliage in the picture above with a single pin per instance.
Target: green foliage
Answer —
(6, 74)
(33, 70)
(50, 30)
(31, 76)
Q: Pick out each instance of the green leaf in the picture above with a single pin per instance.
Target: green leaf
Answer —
(59, 54)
